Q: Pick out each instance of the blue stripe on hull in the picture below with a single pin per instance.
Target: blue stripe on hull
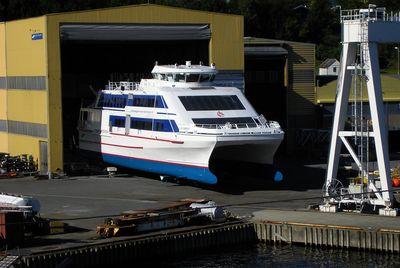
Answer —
(200, 174)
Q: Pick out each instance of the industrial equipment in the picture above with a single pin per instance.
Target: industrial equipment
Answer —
(362, 31)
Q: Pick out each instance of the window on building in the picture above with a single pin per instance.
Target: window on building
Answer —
(209, 103)
(334, 69)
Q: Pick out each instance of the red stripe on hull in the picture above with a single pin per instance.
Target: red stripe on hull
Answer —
(147, 138)
(123, 146)
(159, 161)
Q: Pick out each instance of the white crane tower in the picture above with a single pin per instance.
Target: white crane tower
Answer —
(362, 31)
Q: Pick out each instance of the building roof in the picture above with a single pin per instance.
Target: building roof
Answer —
(390, 90)
(139, 5)
(122, 7)
(248, 40)
(265, 51)
(328, 62)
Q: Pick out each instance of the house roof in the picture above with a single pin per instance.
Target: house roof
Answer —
(328, 62)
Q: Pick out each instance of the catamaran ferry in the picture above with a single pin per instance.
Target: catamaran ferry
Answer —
(174, 123)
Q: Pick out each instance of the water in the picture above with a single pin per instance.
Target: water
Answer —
(281, 256)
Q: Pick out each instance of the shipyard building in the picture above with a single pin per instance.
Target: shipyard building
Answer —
(50, 66)
(280, 83)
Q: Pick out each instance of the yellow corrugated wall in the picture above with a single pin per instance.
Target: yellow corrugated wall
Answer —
(25, 58)
(3, 92)
(27, 106)
(226, 48)
(2, 50)
(21, 144)
(301, 66)
(3, 142)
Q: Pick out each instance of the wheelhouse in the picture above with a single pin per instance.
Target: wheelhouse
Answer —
(185, 73)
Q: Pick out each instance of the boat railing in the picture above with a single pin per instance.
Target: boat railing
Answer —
(259, 122)
(229, 125)
(122, 85)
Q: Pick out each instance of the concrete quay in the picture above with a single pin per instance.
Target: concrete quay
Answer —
(342, 230)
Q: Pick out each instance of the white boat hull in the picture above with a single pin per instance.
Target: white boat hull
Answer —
(254, 149)
(182, 156)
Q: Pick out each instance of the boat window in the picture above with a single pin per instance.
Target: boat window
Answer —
(143, 124)
(159, 76)
(162, 125)
(158, 126)
(192, 77)
(117, 121)
(204, 78)
(208, 103)
(179, 77)
(165, 125)
(114, 101)
(143, 101)
(147, 101)
(170, 77)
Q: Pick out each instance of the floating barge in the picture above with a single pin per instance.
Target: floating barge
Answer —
(182, 213)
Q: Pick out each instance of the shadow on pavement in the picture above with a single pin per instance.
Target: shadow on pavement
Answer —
(237, 178)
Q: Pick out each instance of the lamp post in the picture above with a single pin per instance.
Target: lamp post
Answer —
(398, 60)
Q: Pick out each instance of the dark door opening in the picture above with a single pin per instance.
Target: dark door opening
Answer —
(265, 87)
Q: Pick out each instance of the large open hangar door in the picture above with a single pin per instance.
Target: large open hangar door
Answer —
(93, 54)
(265, 82)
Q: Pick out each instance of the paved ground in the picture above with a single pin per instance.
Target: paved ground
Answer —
(85, 201)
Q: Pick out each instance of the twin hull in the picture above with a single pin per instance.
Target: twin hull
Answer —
(180, 155)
